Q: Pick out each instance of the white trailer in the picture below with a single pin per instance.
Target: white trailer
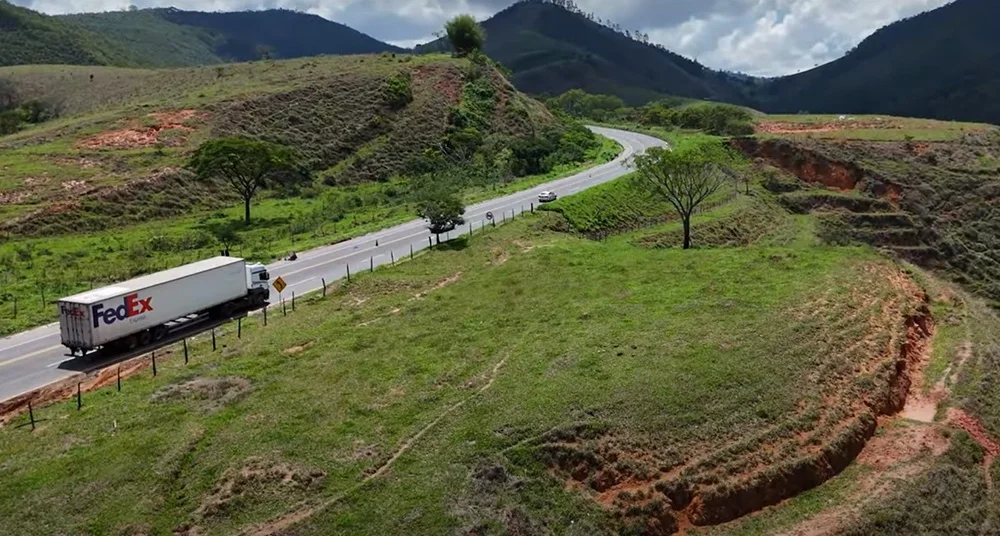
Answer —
(142, 310)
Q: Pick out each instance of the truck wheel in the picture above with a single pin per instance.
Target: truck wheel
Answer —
(159, 333)
(145, 338)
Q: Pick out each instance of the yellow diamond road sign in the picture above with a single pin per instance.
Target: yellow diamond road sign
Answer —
(279, 284)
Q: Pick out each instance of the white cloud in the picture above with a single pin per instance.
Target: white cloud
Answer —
(764, 37)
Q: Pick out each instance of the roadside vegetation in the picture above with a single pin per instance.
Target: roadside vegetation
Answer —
(120, 165)
(590, 315)
(471, 418)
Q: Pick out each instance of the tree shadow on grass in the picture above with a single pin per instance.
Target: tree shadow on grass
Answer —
(455, 244)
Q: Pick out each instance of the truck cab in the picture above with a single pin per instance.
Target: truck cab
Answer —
(258, 290)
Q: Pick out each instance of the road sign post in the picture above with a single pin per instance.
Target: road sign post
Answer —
(279, 284)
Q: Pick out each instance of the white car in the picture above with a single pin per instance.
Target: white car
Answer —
(546, 196)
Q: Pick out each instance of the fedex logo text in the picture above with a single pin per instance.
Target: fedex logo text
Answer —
(132, 306)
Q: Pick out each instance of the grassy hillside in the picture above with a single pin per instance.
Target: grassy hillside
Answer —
(551, 49)
(105, 179)
(939, 65)
(30, 37)
(598, 395)
(627, 386)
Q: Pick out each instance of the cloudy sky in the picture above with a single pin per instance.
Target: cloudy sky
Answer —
(761, 37)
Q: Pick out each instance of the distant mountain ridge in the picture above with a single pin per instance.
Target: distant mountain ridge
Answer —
(28, 37)
(942, 64)
(170, 37)
(552, 47)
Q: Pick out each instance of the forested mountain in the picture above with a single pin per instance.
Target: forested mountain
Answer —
(552, 47)
(171, 38)
(30, 37)
(941, 64)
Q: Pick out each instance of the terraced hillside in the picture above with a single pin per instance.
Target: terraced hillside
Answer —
(923, 189)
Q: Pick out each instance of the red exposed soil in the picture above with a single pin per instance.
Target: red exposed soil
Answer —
(713, 484)
(66, 389)
(137, 137)
(446, 84)
(812, 167)
(972, 425)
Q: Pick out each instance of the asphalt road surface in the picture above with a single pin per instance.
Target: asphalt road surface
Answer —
(35, 358)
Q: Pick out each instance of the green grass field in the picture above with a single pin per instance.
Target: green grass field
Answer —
(419, 400)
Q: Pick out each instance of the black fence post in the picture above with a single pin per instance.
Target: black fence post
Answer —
(323, 280)
(411, 255)
(532, 208)
(119, 378)
(293, 301)
(79, 397)
(505, 216)
(392, 258)
(213, 339)
(239, 328)
(470, 228)
(348, 273)
(15, 306)
(31, 415)
(371, 264)
(284, 309)
(430, 243)
(265, 315)
(154, 363)
(186, 345)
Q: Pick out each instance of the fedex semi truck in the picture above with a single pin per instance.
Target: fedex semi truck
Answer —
(140, 311)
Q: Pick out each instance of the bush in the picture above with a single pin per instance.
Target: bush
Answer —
(717, 119)
(465, 35)
(399, 91)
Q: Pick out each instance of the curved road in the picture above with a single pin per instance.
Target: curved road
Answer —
(34, 358)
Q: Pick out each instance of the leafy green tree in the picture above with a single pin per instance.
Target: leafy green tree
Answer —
(442, 208)
(10, 122)
(227, 234)
(246, 165)
(465, 34)
(685, 178)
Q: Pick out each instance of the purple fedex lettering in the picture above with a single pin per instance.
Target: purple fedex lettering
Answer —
(131, 306)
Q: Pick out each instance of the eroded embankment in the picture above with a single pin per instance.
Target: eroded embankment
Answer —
(657, 490)
(83, 383)
(814, 167)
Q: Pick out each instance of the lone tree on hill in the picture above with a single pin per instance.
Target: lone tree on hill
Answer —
(685, 178)
(465, 34)
(247, 166)
(441, 208)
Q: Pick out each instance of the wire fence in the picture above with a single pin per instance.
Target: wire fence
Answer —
(119, 367)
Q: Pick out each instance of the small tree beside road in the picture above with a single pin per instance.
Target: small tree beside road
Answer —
(441, 208)
(465, 35)
(246, 165)
(685, 178)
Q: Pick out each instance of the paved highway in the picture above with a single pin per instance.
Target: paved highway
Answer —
(35, 358)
